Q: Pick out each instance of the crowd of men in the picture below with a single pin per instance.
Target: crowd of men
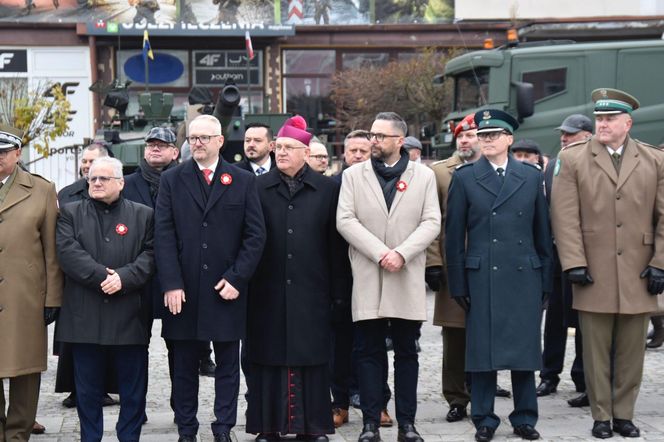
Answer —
(298, 279)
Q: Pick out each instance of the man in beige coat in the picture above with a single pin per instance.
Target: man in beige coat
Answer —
(388, 212)
(608, 219)
(30, 284)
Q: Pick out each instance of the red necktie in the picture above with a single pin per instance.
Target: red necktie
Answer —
(207, 174)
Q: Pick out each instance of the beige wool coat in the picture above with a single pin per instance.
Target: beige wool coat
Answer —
(612, 223)
(412, 223)
(30, 278)
(447, 312)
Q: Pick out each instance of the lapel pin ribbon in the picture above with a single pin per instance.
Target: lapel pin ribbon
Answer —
(226, 179)
(121, 229)
(402, 186)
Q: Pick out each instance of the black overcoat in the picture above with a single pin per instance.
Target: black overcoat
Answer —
(85, 249)
(76, 191)
(199, 242)
(302, 272)
(499, 252)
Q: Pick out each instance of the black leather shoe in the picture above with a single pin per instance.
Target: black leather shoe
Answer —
(456, 413)
(69, 401)
(370, 433)
(527, 432)
(108, 401)
(484, 434)
(602, 430)
(222, 437)
(267, 437)
(626, 428)
(207, 368)
(501, 392)
(355, 401)
(187, 439)
(408, 433)
(579, 401)
(546, 387)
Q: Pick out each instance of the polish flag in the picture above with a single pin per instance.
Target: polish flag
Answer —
(250, 48)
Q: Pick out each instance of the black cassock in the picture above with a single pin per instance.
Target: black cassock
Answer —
(299, 278)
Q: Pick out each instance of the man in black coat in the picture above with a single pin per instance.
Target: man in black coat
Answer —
(258, 149)
(78, 190)
(105, 249)
(291, 294)
(209, 236)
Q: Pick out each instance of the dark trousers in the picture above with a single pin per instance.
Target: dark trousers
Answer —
(371, 368)
(354, 386)
(483, 395)
(341, 367)
(131, 365)
(16, 424)
(186, 356)
(559, 316)
(454, 366)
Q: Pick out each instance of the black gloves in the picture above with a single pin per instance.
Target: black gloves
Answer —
(50, 314)
(464, 302)
(579, 275)
(433, 276)
(655, 279)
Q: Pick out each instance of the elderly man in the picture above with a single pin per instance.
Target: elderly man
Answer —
(414, 149)
(388, 212)
(607, 208)
(576, 128)
(258, 149)
(527, 150)
(499, 260)
(209, 235)
(318, 159)
(105, 249)
(30, 294)
(291, 295)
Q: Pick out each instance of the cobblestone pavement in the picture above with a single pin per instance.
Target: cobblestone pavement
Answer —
(557, 420)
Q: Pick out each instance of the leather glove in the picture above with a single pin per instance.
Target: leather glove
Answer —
(434, 276)
(50, 314)
(655, 280)
(464, 302)
(545, 300)
(579, 275)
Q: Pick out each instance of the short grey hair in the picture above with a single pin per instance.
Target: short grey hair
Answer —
(211, 118)
(115, 164)
(397, 122)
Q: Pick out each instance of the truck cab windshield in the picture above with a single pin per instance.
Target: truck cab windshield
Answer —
(471, 89)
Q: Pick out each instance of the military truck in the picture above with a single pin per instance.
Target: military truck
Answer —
(541, 83)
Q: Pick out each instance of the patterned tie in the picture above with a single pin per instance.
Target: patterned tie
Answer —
(501, 174)
(260, 171)
(207, 174)
(615, 157)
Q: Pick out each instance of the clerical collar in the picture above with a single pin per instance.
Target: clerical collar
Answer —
(212, 166)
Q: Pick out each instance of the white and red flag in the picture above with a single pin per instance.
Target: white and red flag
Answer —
(250, 48)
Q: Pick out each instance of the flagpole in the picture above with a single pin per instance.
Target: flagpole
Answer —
(147, 75)
(248, 85)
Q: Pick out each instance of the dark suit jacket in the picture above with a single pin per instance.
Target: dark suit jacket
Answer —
(499, 252)
(198, 243)
(86, 246)
(303, 271)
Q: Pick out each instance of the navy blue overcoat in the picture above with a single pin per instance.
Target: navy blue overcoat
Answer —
(197, 243)
(499, 253)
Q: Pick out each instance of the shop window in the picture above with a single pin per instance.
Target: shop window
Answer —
(353, 60)
(546, 83)
(309, 62)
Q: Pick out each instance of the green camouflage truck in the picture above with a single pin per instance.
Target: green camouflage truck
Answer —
(541, 83)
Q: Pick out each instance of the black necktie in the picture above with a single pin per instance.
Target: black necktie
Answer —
(501, 174)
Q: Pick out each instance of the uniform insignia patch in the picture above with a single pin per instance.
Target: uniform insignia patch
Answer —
(556, 170)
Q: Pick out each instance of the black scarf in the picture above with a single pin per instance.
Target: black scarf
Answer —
(151, 175)
(295, 182)
(388, 176)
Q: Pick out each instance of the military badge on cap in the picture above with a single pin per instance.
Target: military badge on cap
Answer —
(10, 137)
(494, 120)
(613, 101)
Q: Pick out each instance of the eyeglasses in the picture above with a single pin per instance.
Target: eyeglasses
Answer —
(204, 139)
(319, 157)
(490, 136)
(102, 179)
(159, 146)
(287, 149)
(380, 137)
(5, 152)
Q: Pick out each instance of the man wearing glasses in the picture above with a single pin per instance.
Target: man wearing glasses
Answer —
(105, 249)
(209, 235)
(30, 284)
(499, 265)
(319, 159)
(297, 284)
(388, 212)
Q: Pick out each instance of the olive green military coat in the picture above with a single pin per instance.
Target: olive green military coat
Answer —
(30, 278)
(612, 223)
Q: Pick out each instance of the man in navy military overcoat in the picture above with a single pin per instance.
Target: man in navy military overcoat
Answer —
(499, 264)
(209, 237)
